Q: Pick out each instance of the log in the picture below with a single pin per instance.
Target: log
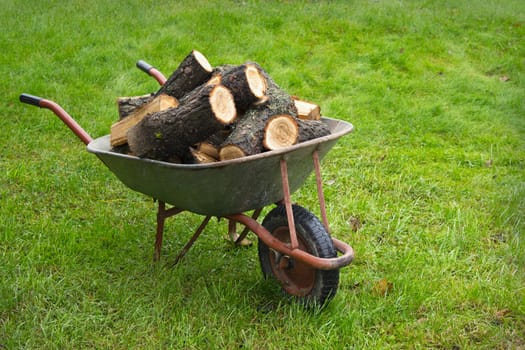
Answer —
(277, 98)
(120, 129)
(247, 84)
(201, 157)
(260, 133)
(193, 71)
(166, 134)
(127, 105)
(212, 145)
(307, 110)
(280, 131)
(221, 69)
(208, 149)
(233, 151)
(247, 136)
(311, 129)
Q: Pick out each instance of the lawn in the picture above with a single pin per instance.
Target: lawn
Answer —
(429, 189)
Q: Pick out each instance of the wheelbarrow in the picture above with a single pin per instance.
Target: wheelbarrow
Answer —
(295, 248)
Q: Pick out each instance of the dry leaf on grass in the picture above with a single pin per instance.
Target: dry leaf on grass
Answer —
(355, 223)
(500, 315)
(382, 287)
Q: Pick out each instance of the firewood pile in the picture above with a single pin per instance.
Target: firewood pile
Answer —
(204, 114)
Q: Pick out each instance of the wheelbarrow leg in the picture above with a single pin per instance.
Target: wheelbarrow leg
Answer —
(246, 230)
(162, 215)
(288, 205)
(192, 240)
(160, 230)
(235, 237)
(320, 193)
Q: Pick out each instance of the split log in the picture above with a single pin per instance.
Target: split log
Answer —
(193, 71)
(248, 133)
(201, 157)
(127, 105)
(280, 131)
(212, 145)
(201, 113)
(307, 110)
(311, 129)
(208, 149)
(120, 129)
(247, 84)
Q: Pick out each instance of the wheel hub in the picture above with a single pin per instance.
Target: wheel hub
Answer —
(296, 277)
(284, 262)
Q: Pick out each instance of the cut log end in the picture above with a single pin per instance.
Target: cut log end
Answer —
(223, 105)
(280, 131)
(256, 81)
(228, 152)
(209, 149)
(203, 61)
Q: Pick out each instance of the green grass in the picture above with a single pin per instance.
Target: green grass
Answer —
(434, 172)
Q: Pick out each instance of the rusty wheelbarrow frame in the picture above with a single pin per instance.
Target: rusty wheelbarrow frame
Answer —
(272, 176)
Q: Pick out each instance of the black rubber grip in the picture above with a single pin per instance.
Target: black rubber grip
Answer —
(30, 99)
(144, 66)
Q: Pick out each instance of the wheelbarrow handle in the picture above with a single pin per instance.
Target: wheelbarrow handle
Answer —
(60, 112)
(154, 72)
(30, 99)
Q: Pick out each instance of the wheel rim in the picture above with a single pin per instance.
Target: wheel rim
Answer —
(296, 278)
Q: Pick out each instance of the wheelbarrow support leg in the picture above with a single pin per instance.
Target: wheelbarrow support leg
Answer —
(246, 230)
(320, 193)
(162, 215)
(288, 205)
(192, 240)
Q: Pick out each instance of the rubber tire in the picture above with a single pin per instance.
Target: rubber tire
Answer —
(315, 240)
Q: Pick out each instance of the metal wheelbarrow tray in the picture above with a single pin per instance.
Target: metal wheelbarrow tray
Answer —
(222, 188)
(295, 247)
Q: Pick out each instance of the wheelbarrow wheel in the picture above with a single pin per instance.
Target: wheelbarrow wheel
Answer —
(301, 281)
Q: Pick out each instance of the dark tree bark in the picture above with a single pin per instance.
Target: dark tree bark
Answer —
(311, 129)
(247, 84)
(193, 71)
(170, 133)
(278, 99)
(247, 136)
